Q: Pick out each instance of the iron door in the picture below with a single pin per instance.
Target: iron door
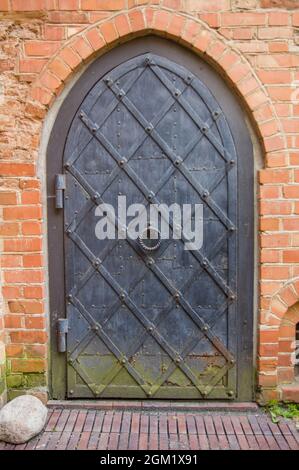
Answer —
(159, 323)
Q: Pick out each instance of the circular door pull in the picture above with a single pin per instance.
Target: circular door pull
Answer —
(150, 239)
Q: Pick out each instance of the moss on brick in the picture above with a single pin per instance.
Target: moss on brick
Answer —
(35, 380)
(25, 381)
(15, 381)
(2, 386)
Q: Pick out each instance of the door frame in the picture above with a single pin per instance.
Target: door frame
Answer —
(245, 248)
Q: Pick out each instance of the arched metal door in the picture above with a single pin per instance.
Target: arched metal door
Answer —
(164, 323)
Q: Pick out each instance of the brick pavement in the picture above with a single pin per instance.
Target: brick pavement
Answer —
(80, 429)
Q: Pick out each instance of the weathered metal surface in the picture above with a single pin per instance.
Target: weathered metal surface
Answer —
(159, 326)
(62, 329)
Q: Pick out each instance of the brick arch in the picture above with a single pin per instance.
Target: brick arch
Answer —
(276, 344)
(186, 30)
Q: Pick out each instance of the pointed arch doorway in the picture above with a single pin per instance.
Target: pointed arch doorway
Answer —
(152, 122)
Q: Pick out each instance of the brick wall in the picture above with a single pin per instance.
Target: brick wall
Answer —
(255, 45)
(2, 358)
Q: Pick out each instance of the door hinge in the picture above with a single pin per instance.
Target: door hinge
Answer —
(60, 186)
(62, 329)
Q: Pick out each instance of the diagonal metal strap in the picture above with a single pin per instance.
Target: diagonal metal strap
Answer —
(190, 111)
(134, 309)
(122, 359)
(104, 116)
(162, 315)
(136, 312)
(150, 196)
(97, 200)
(175, 159)
(203, 262)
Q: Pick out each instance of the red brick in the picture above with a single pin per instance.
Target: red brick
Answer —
(290, 393)
(290, 256)
(278, 18)
(10, 292)
(122, 25)
(269, 380)
(275, 33)
(136, 19)
(278, 308)
(95, 39)
(242, 18)
(274, 272)
(28, 365)
(291, 224)
(68, 4)
(274, 176)
(276, 46)
(238, 72)
(33, 292)
(268, 364)
(35, 350)
(26, 306)
(274, 76)
(4, 5)
(68, 17)
(103, 4)
(268, 336)
(31, 228)
(270, 256)
(24, 276)
(276, 160)
(22, 212)
(286, 346)
(53, 32)
(269, 224)
(285, 375)
(50, 81)
(43, 95)
(270, 192)
(296, 19)
(212, 19)
(8, 198)
(82, 47)
(268, 350)
(284, 360)
(17, 169)
(31, 197)
(287, 331)
(13, 321)
(22, 245)
(14, 350)
(248, 85)
(41, 48)
(31, 65)
(9, 229)
(176, 27)
(27, 5)
(162, 20)
(31, 337)
(32, 261)
(108, 32)
(256, 99)
(243, 33)
(60, 69)
(34, 323)
(11, 261)
(275, 240)
(275, 207)
(70, 57)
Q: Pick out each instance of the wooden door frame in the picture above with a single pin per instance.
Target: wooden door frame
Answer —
(244, 148)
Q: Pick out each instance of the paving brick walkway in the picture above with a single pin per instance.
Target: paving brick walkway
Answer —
(110, 430)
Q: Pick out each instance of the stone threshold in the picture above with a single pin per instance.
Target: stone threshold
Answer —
(149, 405)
